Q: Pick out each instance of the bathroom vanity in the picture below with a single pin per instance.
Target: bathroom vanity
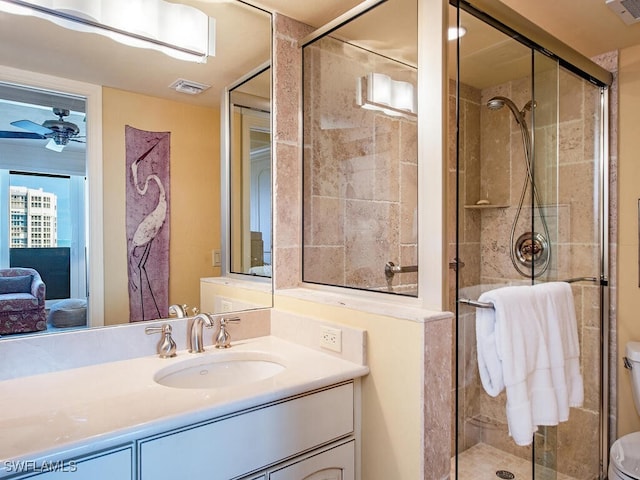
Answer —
(120, 420)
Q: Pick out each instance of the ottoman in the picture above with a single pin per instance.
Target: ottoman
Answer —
(71, 312)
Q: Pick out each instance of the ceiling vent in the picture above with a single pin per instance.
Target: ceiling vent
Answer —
(627, 10)
(188, 86)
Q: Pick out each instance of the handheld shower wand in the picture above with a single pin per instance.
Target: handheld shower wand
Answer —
(531, 248)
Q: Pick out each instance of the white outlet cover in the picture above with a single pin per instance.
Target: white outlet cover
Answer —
(331, 338)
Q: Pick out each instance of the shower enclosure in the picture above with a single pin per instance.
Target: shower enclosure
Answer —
(529, 158)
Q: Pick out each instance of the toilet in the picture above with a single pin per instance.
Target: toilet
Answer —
(624, 461)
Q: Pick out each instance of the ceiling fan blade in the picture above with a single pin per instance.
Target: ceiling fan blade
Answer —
(9, 134)
(32, 127)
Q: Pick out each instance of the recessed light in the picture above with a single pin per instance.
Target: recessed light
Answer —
(456, 32)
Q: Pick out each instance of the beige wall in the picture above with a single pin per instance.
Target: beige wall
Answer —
(195, 194)
(391, 393)
(628, 327)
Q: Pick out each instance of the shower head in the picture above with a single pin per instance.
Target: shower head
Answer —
(496, 103)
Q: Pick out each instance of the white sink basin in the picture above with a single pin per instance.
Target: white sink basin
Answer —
(219, 370)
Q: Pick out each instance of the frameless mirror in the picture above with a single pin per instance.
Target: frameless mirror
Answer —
(134, 85)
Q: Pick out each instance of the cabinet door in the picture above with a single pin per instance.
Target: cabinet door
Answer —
(338, 463)
(105, 466)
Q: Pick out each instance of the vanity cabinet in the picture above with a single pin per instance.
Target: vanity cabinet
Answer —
(252, 440)
(108, 465)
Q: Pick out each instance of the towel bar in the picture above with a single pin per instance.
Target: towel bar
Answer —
(477, 304)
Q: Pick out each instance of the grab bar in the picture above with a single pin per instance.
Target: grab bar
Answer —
(477, 304)
(390, 269)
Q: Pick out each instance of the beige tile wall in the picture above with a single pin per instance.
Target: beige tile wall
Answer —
(567, 189)
(360, 190)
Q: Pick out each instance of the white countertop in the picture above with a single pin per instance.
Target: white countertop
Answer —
(72, 412)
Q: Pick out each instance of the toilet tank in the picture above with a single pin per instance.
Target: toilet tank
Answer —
(633, 355)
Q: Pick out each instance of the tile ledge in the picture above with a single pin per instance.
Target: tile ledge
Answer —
(363, 301)
(260, 284)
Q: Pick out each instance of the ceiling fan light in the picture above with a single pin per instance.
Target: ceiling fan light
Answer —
(52, 144)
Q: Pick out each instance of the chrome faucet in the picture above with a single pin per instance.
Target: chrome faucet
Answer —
(180, 311)
(194, 339)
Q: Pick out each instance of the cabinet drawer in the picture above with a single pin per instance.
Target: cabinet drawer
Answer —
(250, 440)
(104, 466)
(337, 463)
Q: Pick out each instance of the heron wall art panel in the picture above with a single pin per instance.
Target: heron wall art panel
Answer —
(147, 222)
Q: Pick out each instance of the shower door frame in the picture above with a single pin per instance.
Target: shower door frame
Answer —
(520, 29)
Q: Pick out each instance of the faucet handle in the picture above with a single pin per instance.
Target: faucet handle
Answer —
(223, 340)
(224, 321)
(166, 345)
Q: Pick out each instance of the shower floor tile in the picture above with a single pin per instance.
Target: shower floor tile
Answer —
(482, 461)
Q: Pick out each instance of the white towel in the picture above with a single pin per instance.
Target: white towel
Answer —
(521, 354)
(528, 344)
(560, 322)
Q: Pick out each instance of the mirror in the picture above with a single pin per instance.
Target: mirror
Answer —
(250, 175)
(134, 88)
(360, 130)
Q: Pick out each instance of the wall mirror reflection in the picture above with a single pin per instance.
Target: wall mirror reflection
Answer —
(53, 67)
(360, 156)
(250, 175)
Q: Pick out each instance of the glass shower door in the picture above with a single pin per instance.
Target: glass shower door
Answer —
(529, 209)
(568, 177)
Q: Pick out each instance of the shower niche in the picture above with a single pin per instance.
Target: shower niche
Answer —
(528, 169)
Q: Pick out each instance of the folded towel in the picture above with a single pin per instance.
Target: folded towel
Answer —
(528, 345)
(489, 364)
(522, 356)
(560, 322)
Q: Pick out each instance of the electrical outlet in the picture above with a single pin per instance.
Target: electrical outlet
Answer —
(331, 338)
(226, 306)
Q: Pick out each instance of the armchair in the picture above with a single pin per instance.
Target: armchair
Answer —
(22, 295)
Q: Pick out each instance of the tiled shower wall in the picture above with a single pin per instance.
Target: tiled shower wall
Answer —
(360, 173)
(491, 167)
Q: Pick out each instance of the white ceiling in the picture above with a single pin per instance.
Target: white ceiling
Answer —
(243, 42)
(243, 38)
(588, 26)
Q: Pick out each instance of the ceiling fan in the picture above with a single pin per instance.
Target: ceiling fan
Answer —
(59, 132)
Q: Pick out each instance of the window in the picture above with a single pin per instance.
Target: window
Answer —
(43, 234)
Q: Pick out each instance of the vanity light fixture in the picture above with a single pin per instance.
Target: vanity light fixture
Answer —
(177, 30)
(377, 91)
